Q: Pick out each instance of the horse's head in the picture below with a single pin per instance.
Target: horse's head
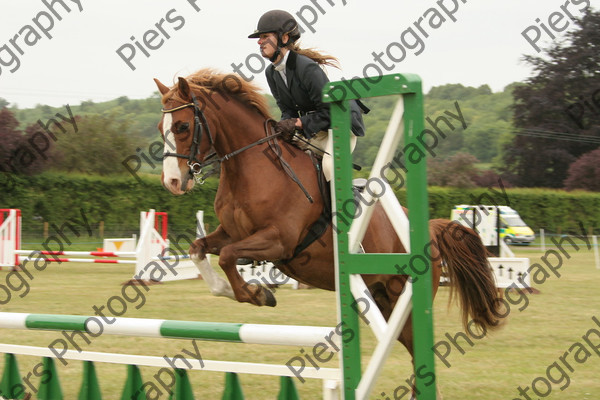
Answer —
(186, 135)
(235, 109)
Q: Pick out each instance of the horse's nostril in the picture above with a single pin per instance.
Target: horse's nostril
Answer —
(175, 183)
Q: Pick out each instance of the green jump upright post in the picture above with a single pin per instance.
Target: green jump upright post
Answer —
(338, 95)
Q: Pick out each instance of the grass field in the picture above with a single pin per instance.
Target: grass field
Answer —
(543, 332)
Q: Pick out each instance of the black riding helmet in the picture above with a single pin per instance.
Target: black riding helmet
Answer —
(279, 22)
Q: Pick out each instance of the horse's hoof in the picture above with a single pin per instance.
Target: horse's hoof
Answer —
(270, 299)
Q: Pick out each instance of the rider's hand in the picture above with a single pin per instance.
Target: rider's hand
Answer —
(287, 128)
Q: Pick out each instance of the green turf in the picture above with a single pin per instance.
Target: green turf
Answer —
(493, 368)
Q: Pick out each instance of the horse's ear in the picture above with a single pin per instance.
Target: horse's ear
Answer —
(161, 88)
(184, 88)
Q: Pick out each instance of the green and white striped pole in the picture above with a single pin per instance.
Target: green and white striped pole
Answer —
(285, 335)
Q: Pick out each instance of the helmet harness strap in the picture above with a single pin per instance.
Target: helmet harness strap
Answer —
(280, 44)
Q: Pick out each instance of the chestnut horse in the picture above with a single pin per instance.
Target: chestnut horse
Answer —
(264, 214)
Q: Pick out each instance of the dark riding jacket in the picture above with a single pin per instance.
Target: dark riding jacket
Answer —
(301, 97)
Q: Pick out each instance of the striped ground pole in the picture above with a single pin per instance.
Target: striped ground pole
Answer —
(285, 335)
(78, 253)
(79, 260)
(32, 255)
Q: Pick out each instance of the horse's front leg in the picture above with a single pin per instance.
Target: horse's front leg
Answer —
(265, 244)
(212, 244)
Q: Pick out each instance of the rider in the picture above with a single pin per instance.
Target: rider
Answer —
(296, 80)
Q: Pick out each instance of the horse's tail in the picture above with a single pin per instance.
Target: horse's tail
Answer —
(471, 277)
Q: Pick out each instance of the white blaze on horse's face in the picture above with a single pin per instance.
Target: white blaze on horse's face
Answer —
(172, 175)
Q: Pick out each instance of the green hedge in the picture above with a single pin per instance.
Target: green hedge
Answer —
(117, 201)
(553, 210)
(57, 198)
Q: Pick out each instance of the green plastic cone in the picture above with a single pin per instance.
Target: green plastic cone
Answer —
(90, 388)
(233, 388)
(133, 384)
(287, 389)
(50, 386)
(183, 387)
(11, 385)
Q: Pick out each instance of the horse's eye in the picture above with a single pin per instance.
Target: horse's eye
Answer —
(183, 127)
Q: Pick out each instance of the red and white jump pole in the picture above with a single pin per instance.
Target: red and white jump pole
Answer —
(83, 253)
(80, 260)
(152, 257)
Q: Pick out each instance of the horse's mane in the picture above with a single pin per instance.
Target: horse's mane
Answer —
(228, 85)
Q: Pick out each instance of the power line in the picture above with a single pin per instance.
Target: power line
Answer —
(538, 133)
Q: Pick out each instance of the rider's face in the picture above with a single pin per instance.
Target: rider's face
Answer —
(268, 44)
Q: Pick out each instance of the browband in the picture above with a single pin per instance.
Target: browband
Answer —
(170, 110)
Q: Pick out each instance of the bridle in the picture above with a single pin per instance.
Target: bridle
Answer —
(200, 124)
(196, 166)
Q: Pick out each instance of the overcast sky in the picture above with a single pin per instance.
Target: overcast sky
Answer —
(483, 45)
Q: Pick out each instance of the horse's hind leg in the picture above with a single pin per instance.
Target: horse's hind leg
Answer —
(406, 338)
(262, 245)
(387, 296)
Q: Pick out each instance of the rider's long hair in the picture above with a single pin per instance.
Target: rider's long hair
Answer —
(315, 55)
